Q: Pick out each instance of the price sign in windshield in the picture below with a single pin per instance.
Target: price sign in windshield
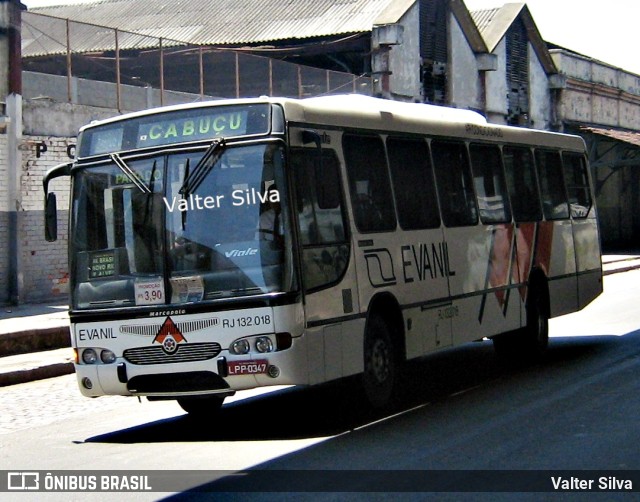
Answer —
(149, 291)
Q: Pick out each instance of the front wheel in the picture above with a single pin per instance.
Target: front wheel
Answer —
(201, 406)
(380, 363)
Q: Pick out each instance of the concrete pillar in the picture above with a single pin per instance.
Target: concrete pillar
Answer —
(10, 47)
(14, 189)
(11, 96)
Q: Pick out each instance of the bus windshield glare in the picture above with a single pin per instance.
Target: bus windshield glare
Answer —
(225, 237)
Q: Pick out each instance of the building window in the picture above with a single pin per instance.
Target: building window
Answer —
(517, 74)
(434, 50)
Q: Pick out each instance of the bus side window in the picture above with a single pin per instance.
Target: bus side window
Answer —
(577, 180)
(488, 177)
(554, 199)
(369, 183)
(325, 252)
(413, 184)
(455, 188)
(522, 183)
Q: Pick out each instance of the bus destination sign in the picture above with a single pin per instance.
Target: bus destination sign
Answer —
(173, 127)
(178, 129)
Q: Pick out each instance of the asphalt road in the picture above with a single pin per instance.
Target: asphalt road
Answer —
(461, 409)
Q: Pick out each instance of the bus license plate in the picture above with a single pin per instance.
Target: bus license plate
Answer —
(247, 367)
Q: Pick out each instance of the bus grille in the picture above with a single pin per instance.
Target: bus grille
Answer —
(185, 353)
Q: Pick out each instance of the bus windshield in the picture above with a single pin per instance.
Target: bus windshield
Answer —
(161, 239)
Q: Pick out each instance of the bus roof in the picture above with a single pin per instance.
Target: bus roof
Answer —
(364, 112)
(356, 111)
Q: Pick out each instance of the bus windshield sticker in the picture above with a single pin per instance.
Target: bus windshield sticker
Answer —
(130, 173)
(102, 264)
(149, 291)
(187, 289)
(151, 177)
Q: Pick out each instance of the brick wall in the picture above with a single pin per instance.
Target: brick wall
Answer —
(44, 264)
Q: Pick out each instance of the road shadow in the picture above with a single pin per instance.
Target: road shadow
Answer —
(335, 408)
(465, 411)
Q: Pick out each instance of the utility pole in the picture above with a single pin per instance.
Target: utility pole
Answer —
(11, 96)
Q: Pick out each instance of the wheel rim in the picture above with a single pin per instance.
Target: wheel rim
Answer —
(542, 329)
(380, 363)
(539, 337)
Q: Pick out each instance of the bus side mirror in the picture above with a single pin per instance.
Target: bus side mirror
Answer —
(50, 204)
(51, 218)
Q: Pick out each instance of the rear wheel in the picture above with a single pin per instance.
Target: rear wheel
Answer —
(536, 336)
(201, 406)
(380, 363)
(530, 342)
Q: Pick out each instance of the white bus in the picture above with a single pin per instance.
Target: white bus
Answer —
(229, 245)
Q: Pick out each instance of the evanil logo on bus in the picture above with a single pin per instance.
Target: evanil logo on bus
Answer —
(169, 336)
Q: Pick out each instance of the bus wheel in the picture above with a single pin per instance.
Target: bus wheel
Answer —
(201, 406)
(530, 342)
(380, 365)
(536, 335)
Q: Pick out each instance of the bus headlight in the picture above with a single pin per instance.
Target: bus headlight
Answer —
(264, 344)
(240, 347)
(107, 356)
(89, 356)
(95, 355)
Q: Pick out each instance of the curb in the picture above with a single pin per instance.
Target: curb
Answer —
(619, 270)
(32, 374)
(34, 340)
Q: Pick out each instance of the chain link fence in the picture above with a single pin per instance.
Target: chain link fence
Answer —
(95, 65)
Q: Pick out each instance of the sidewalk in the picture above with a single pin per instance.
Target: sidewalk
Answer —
(34, 343)
(34, 339)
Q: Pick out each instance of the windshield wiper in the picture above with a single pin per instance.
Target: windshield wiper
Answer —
(193, 179)
(135, 179)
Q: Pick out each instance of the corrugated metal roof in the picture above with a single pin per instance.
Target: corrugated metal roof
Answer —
(228, 22)
(632, 138)
(483, 18)
(493, 25)
(45, 36)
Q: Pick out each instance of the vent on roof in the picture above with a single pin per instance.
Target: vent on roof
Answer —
(517, 74)
(433, 50)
